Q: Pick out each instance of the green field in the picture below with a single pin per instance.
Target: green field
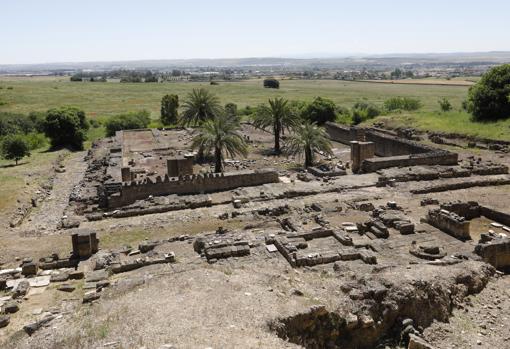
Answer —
(103, 99)
(98, 99)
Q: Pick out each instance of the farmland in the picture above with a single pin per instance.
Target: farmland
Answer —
(100, 100)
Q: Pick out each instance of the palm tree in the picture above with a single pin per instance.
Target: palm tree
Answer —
(221, 134)
(308, 139)
(277, 115)
(200, 105)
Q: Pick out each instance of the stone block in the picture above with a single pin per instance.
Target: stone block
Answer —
(85, 243)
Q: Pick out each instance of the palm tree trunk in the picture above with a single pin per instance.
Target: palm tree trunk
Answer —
(277, 138)
(308, 157)
(200, 155)
(218, 166)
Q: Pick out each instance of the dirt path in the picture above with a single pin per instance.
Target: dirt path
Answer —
(46, 218)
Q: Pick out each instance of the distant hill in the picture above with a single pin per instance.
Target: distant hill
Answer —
(382, 60)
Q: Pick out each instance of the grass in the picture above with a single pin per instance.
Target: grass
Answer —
(451, 122)
(103, 99)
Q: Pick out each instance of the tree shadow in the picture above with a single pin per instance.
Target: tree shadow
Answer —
(14, 165)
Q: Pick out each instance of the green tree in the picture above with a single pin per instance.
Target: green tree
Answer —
(222, 136)
(14, 147)
(320, 111)
(308, 138)
(277, 115)
(169, 109)
(444, 104)
(489, 98)
(200, 105)
(66, 127)
(127, 121)
(271, 83)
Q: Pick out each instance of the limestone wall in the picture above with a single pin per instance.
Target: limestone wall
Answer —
(450, 223)
(498, 216)
(495, 252)
(339, 133)
(192, 184)
(431, 158)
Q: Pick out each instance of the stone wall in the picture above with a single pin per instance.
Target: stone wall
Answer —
(498, 216)
(339, 133)
(468, 210)
(495, 250)
(128, 193)
(391, 151)
(450, 223)
(432, 158)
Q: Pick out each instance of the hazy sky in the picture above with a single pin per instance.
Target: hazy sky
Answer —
(36, 31)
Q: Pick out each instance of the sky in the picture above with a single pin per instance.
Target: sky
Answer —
(44, 31)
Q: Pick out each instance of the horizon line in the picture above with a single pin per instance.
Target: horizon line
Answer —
(298, 57)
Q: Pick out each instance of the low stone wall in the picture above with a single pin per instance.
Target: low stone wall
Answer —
(468, 210)
(450, 223)
(495, 251)
(339, 133)
(432, 158)
(387, 145)
(128, 193)
(498, 216)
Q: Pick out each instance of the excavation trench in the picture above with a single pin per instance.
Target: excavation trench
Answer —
(382, 317)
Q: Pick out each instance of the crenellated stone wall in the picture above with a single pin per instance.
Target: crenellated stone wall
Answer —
(128, 193)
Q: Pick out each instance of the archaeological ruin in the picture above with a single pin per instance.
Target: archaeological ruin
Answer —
(376, 245)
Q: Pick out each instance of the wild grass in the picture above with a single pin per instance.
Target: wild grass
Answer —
(103, 99)
(451, 122)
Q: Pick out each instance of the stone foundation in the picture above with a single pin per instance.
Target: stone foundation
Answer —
(495, 250)
(450, 223)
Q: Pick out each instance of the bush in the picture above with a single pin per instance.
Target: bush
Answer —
(19, 123)
(320, 111)
(271, 83)
(169, 109)
(95, 123)
(128, 121)
(66, 127)
(444, 104)
(489, 99)
(368, 109)
(231, 109)
(402, 103)
(359, 115)
(35, 140)
(14, 147)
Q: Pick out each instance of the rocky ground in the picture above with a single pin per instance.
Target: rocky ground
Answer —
(258, 300)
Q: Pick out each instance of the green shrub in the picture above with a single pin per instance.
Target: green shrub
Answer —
(489, 99)
(35, 140)
(128, 121)
(95, 123)
(368, 109)
(444, 104)
(402, 103)
(320, 111)
(231, 109)
(11, 123)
